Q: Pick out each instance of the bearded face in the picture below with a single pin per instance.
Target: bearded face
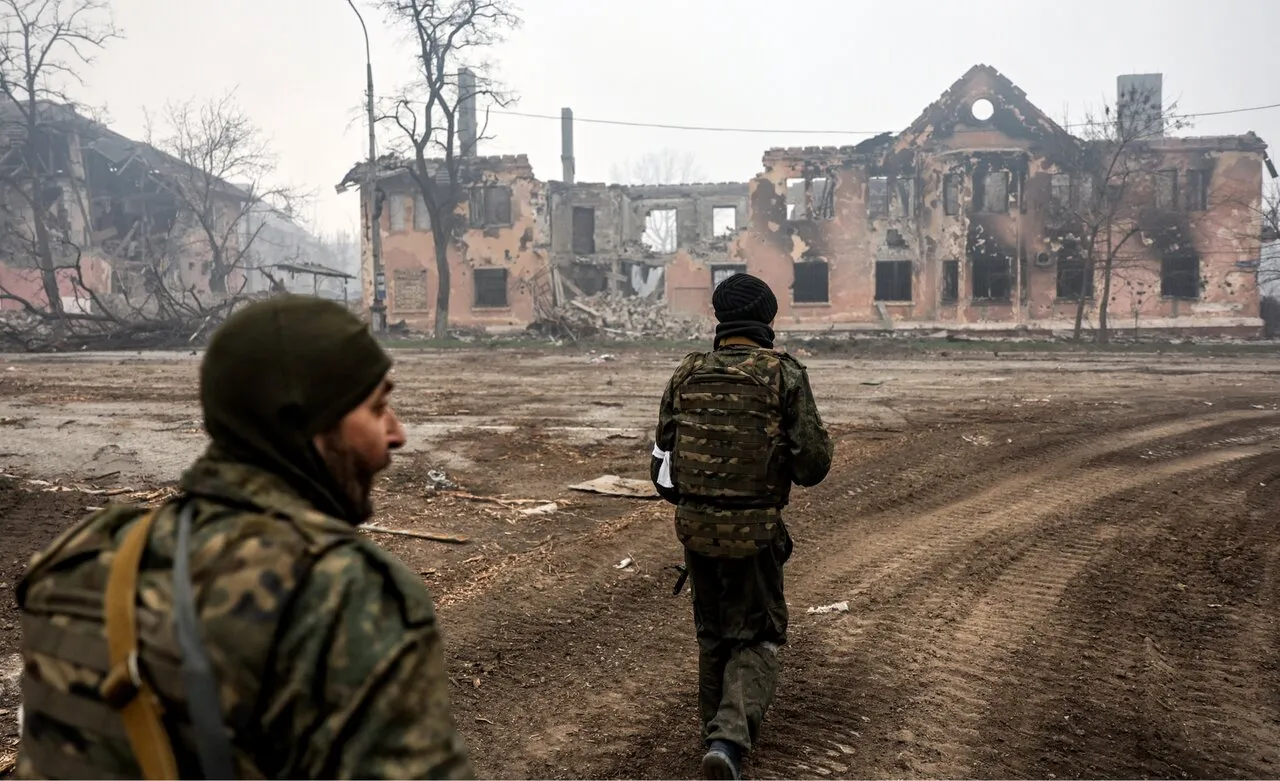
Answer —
(360, 446)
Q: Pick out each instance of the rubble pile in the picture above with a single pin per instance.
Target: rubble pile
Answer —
(613, 316)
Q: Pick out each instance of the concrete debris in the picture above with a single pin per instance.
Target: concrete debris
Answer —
(623, 318)
(440, 481)
(836, 607)
(542, 509)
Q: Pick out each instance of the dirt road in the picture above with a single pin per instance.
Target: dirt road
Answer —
(1055, 566)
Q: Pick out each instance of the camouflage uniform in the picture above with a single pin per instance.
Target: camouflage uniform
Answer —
(326, 649)
(735, 550)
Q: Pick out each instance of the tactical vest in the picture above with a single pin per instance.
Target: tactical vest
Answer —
(77, 693)
(729, 459)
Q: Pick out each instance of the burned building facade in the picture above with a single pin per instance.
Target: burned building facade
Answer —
(976, 217)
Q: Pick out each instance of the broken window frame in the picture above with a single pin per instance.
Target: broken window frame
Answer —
(951, 194)
(490, 206)
(1164, 185)
(893, 277)
(949, 290)
(1180, 277)
(991, 204)
(1197, 190)
(1060, 188)
(811, 281)
(903, 193)
(986, 276)
(489, 289)
(582, 241)
(724, 271)
(877, 197)
(726, 231)
(1069, 276)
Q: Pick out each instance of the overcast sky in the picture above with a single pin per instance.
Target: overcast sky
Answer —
(298, 70)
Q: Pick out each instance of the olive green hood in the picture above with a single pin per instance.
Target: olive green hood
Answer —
(277, 373)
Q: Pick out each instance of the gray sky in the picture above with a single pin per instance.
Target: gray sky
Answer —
(298, 69)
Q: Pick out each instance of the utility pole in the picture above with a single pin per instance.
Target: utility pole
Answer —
(378, 311)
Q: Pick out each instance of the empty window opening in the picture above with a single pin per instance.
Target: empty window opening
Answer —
(905, 196)
(421, 217)
(795, 199)
(811, 199)
(878, 196)
(491, 287)
(721, 272)
(397, 211)
(1084, 191)
(951, 194)
(660, 230)
(1197, 197)
(950, 281)
(1180, 277)
(811, 284)
(1072, 279)
(982, 109)
(990, 279)
(584, 230)
(893, 280)
(724, 220)
(490, 207)
(1060, 187)
(995, 195)
(1166, 190)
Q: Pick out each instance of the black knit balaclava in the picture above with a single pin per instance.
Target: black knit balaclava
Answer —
(277, 373)
(744, 306)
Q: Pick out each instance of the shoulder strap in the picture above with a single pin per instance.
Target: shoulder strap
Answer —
(203, 706)
(124, 688)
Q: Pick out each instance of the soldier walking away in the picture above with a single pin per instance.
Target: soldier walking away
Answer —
(737, 426)
(245, 628)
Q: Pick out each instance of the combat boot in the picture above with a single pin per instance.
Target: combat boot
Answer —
(723, 760)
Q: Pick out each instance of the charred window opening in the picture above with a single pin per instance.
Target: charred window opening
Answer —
(661, 230)
(1197, 197)
(893, 280)
(397, 212)
(724, 220)
(795, 199)
(490, 207)
(906, 197)
(491, 287)
(995, 192)
(950, 281)
(1060, 190)
(811, 282)
(951, 194)
(723, 271)
(1166, 186)
(1072, 279)
(421, 217)
(1180, 276)
(584, 230)
(878, 196)
(811, 199)
(990, 279)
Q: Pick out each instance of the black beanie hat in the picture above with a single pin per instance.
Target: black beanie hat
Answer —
(743, 297)
(277, 373)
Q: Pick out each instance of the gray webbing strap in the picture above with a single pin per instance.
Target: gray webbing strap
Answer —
(203, 706)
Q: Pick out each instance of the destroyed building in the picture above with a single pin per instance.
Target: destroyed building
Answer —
(124, 218)
(976, 216)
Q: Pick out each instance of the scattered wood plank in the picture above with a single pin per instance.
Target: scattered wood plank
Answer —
(612, 485)
(452, 539)
(495, 499)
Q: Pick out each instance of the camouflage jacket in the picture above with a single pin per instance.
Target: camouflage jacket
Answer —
(325, 647)
(808, 445)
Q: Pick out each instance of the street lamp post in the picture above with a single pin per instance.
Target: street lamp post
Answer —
(378, 311)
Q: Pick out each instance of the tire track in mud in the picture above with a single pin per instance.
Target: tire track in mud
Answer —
(955, 538)
(932, 641)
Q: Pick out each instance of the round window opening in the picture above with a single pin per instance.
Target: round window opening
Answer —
(982, 109)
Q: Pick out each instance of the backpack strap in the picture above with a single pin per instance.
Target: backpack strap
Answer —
(124, 689)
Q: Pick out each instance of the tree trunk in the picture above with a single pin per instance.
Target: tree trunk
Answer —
(1085, 276)
(1107, 263)
(44, 251)
(440, 238)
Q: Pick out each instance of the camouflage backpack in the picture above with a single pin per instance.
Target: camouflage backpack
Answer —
(730, 452)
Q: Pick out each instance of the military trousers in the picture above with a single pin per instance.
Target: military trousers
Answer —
(740, 615)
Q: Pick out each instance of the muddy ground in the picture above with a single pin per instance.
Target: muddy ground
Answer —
(1056, 565)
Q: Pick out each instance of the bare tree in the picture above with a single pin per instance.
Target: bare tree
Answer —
(1112, 183)
(42, 45)
(222, 178)
(666, 166)
(450, 36)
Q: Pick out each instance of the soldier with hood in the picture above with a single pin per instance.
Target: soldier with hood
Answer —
(245, 628)
(736, 427)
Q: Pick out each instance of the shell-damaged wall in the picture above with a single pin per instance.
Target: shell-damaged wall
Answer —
(954, 222)
(497, 258)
